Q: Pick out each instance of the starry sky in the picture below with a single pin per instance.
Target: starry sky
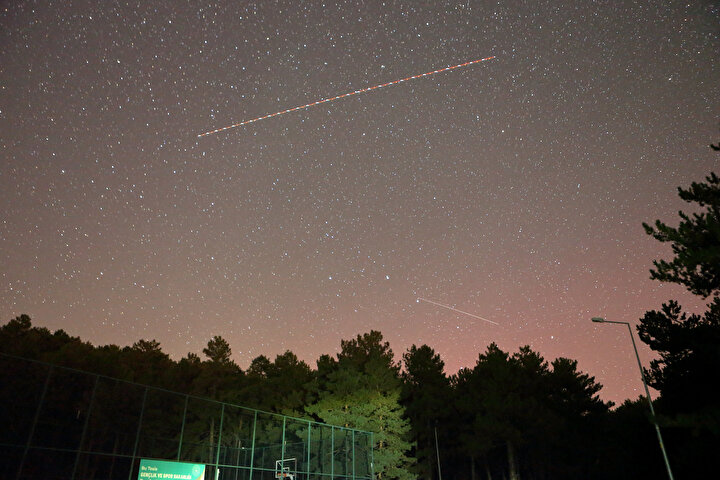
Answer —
(513, 189)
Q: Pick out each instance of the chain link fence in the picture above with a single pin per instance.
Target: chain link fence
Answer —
(61, 423)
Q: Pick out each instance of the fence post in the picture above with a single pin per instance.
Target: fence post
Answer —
(282, 447)
(308, 450)
(35, 420)
(353, 454)
(182, 427)
(85, 426)
(372, 458)
(219, 441)
(137, 436)
(252, 446)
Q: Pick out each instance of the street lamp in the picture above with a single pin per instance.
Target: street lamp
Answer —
(647, 392)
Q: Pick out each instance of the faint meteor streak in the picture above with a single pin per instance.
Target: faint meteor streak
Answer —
(455, 310)
(337, 97)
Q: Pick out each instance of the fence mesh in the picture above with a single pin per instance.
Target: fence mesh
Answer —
(60, 423)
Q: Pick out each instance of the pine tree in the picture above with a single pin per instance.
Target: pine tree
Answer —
(688, 345)
(426, 396)
(695, 242)
(362, 390)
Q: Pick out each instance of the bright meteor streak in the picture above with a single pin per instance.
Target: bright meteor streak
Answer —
(338, 97)
(456, 310)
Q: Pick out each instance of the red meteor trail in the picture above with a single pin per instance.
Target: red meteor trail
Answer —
(337, 97)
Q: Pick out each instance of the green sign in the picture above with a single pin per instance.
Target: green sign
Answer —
(156, 469)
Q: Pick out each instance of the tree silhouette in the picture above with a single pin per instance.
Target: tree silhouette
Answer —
(426, 396)
(282, 386)
(688, 345)
(218, 350)
(695, 242)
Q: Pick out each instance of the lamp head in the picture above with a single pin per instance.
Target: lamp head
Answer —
(598, 319)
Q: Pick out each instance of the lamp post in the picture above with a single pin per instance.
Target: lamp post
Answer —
(647, 392)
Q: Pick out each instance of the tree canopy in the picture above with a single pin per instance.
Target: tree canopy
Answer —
(695, 241)
(512, 415)
(688, 345)
(362, 390)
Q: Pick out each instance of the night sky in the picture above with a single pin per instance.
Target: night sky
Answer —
(513, 189)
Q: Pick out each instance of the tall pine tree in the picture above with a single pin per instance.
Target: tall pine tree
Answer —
(426, 396)
(688, 344)
(362, 390)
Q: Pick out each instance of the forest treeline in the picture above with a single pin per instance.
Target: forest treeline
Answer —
(513, 415)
